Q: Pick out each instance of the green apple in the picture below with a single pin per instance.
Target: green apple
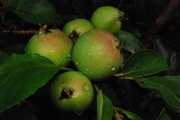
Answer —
(77, 27)
(107, 18)
(72, 92)
(97, 54)
(54, 45)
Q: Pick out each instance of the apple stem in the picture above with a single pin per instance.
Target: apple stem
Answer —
(43, 28)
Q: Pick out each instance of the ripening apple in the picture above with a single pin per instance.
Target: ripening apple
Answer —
(54, 45)
(72, 92)
(107, 18)
(97, 54)
(77, 27)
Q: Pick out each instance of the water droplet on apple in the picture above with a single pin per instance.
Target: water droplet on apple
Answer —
(92, 47)
(113, 68)
(86, 87)
(52, 51)
(69, 55)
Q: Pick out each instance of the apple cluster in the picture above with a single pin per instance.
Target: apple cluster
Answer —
(91, 46)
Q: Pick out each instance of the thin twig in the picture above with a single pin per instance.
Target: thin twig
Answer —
(20, 32)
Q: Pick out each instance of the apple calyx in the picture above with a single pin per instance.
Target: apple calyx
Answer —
(116, 44)
(74, 36)
(122, 16)
(66, 93)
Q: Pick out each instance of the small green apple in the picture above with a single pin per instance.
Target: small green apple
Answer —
(107, 18)
(77, 27)
(97, 54)
(72, 92)
(54, 45)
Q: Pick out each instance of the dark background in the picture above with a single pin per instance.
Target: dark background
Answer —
(141, 16)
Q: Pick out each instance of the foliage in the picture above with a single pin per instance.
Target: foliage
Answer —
(33, 11)
(145, 88)
(21, 76)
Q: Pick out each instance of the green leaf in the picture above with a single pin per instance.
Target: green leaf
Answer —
(170, 53)
(129, 40)
(110, 93)
(21, 76)
(143, 63)
(33, 11)
(168, 86)
(9, 2)
(104, 107)
(163, 115)
(126, 114)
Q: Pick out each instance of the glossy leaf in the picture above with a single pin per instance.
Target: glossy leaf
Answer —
(33, 11)
(129, 40)
(168, 86)
(21, 76)
(143, 63)
(104, 107)
(170, 53)
(163, 115)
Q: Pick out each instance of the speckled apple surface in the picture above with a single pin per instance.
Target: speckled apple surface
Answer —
(54, 45)
(107, 18)
(80, 26)
(97, 54)
(78, 89)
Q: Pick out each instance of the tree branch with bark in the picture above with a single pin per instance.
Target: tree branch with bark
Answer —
(161, 20)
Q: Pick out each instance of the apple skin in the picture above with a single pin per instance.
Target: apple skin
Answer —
(72, 92)
(77, 27)
(97, 54)
(54, 45)
(107, 18)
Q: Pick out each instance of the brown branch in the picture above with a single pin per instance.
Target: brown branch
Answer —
(43, 28)
(20, 32)
(160, 21)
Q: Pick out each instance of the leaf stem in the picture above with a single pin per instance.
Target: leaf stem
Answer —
(96, 88)
(120, 76)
